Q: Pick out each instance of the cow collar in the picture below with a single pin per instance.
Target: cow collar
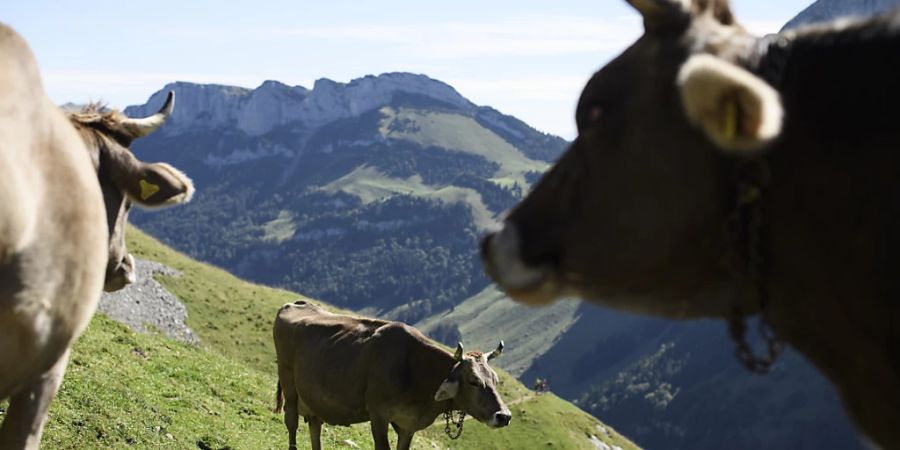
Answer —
(448, 419)
(745, 229)
(746, 225)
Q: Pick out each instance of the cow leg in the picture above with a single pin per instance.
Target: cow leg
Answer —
(404, 439)
(291, 414)
(27, 412)
(291, 419)
(380, 434)
(315, 432)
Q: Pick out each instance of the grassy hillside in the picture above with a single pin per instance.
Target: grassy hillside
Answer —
(491, 315)
(126, 390)
(459, 132)
(369, 185)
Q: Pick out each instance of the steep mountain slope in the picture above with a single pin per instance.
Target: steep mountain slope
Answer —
(379, 209)
(128, 390)
(370, 194)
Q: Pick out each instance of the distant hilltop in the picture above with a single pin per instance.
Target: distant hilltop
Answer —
(825, 10)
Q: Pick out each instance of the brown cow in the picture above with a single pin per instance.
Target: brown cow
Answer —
(55, 234)
(342, 370)
(719, 174)
(125, 180)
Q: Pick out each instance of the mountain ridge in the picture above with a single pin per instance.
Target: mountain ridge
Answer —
(274, 104)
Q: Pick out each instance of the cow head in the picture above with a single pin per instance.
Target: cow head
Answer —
(472, 385)
(125, 180)
(632, 215)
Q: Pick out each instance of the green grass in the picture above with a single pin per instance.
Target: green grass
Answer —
(279, 229)
(137, 391)
(125, 390)
(370, 185)
(463, 133)
(542, 422)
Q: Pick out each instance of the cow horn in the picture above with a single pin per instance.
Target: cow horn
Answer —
(141, 127)
(496, 352)
(458, 356)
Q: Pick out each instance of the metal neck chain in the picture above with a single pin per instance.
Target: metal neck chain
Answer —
(745, 229)
(448, 418)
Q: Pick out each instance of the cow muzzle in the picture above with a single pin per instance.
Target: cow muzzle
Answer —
(501, 256)
(500, 419)
(120, 275)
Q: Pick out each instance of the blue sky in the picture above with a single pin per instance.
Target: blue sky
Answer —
(526, 58)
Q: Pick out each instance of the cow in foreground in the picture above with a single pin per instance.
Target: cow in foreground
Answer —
(717, 174)
(343, 370)
(66, 184)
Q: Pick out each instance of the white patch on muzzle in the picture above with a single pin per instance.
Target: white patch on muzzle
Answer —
(131, 276)
(498, 422)
(506, 260)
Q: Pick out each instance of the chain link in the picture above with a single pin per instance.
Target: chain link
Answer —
(448, 418)
(745, 229)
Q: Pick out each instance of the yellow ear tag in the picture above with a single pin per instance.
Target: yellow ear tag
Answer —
(148, 189)
(729, 128)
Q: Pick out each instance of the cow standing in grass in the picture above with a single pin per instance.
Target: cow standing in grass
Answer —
(66, 184)
(719, 174)
(343, 370)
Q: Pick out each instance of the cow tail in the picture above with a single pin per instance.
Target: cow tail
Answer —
(279, 398)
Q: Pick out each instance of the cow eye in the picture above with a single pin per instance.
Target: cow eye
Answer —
(588, 116)
(475, 383)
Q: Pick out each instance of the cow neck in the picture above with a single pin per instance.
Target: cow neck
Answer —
(439, 363)
(746, 234)
(769, 59)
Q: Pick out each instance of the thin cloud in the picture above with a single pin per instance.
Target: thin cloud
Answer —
(129, 78)
(542, 88)
(522, 36)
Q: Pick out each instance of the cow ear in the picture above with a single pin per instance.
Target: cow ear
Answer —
(447, 390)
(158, 185)
(737, 110)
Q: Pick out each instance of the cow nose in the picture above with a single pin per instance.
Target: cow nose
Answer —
(128, 269)
(502, 259)
(502, 418)
(122, 275)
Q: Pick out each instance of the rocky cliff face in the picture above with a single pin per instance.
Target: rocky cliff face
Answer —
(273, 104)
(825, 10)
